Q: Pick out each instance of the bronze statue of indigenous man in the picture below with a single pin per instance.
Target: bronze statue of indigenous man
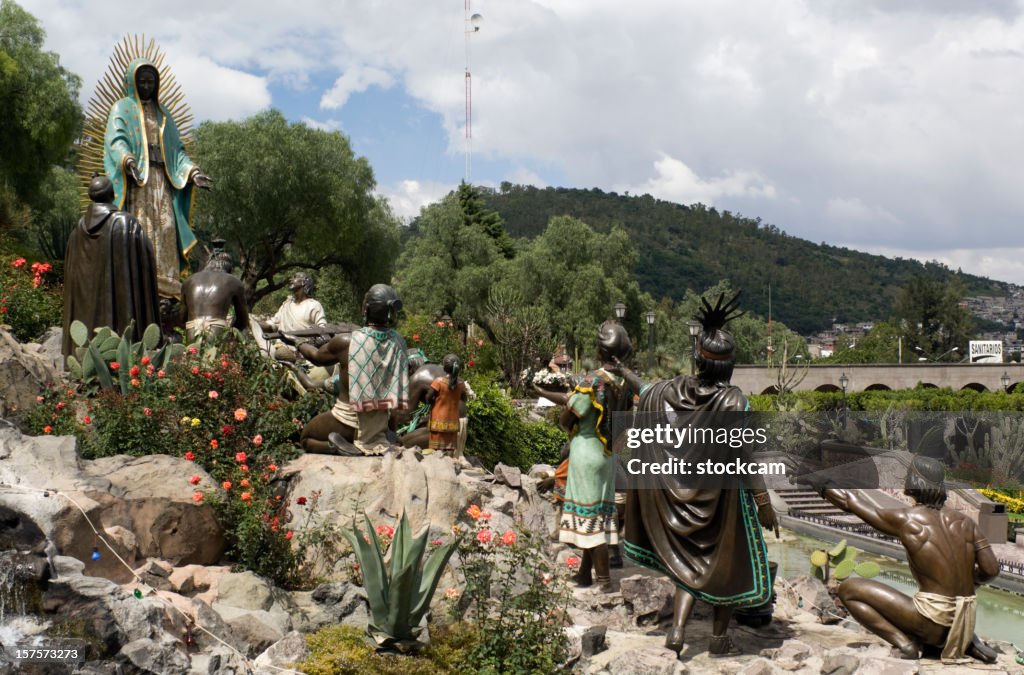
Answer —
(208, 296)
(948, 557)
(373, 380)
(707, 540)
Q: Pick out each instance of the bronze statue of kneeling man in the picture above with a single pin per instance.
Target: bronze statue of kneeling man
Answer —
(948, 557)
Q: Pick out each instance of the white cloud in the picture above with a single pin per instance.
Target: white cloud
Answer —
(353, 81)
(523, 176)
(407, 197)
(1004, 264)
(675, 181)
(852, 211)
(217, 92)
(322, 125)
(879, 123)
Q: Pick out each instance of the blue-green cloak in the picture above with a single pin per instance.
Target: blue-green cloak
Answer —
(126, 136)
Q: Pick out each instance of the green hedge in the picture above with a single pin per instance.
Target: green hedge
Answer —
(919, 399)
(498, 433)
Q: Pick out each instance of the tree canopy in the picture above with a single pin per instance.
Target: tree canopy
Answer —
(476, 214)
(39, 110)
(576, 276)
(931, 317)
(289, 197)
(691, 247)
(449, 265)
(881, 344)
(749, 331)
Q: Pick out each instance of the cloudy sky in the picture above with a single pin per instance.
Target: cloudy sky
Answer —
(891, 126)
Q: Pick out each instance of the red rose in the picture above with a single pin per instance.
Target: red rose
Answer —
(195, 479)
(114, 365)
(134, 371)
(301, 501)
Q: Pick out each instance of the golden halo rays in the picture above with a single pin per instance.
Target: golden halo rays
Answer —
(110, 89)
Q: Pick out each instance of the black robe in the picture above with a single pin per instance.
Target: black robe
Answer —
(109, 275)
(706, 539)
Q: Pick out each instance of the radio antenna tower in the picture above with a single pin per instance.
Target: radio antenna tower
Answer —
(472, 26)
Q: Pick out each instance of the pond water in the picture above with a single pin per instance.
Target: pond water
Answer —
(1000, 613)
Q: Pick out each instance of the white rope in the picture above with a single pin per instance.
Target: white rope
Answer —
(149, 590)
(800, 599)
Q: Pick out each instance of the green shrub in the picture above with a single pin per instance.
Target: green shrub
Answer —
(542, 444)
(498, 433)
(220, 405)
(918, 399)
(515, 600)
(29, 304)
(437, 339)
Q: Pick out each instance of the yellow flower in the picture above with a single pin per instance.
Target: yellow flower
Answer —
(195, 422)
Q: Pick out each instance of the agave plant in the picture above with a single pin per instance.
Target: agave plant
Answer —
(399, 592)
(90, 364)
(840, 562)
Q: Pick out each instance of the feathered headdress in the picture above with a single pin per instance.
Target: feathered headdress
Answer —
(714, 318)
(715, 344)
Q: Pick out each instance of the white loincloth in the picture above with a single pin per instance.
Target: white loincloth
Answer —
(202, 324)
(959, 613)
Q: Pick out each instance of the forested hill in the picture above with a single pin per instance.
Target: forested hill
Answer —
(696, 246)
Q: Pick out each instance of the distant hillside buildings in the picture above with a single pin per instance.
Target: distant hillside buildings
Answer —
(1008, 311)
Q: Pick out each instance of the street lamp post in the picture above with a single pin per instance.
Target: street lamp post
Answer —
(620, 311)
(650, 340)
(695, 328)
(843, 381)
(1005, 381)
